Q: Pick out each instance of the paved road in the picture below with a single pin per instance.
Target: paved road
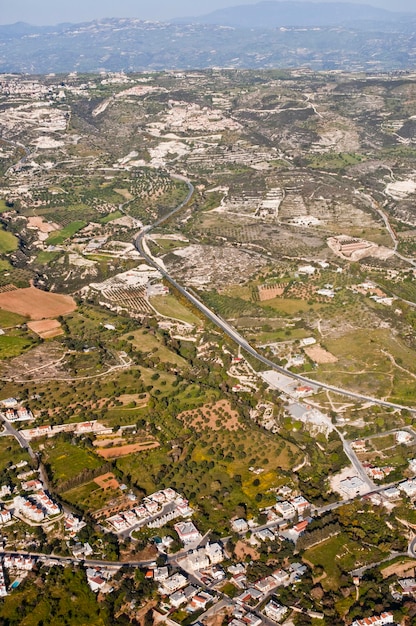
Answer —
(412, 548)
(70, 560)
(10, 430)
(355, 462)
(140, 244)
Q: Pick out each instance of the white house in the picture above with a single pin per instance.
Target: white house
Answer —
(275, 611)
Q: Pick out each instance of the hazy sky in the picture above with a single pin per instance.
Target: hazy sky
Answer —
(55, 11)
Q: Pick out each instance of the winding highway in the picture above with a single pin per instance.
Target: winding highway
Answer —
(141, 246)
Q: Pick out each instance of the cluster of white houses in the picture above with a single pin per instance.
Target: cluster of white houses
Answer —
(375, 620)
(19, 414)
(154, 511)
(18, 563)
(79, 428)
(37, 507)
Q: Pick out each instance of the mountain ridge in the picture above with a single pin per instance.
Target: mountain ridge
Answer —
(132, 45)
(274, 14)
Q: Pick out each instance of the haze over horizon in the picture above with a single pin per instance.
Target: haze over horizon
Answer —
(47, 12)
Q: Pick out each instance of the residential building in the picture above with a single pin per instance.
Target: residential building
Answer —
(32, 485)
(160, 574)
(46, 503)
(18, 562)
(197, 560)
(281, 576)
(3, 590)
(375, 620)
(187, 532)
(239, 525)
(392, 493)
(28, 509)
(177, 598)
(266, 584)
(402, 436)
(408, 586)
(265, 535)
(301, 504)
(409, 487)
(199, 601)
(286, 509)
(173, 583)
(5, 516)
(215, 553)
(275, 611)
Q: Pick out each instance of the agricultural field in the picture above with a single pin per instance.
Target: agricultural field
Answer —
(67, 232)
(65, 461)
(15, 343)
(149, 343)
(169, 306)
(340, 554)
(36, 304)
(11, 453)
(8, 242)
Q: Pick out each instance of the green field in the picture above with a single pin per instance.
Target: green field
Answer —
(60, 236)
(115, 215)
(11, 452)
(13, 345)
(333, 160)
(44, 258)
(370, 352)
(149, 343)
(169, 306)
(341, 554)
(4, 265)
(8, 319)
(8, 242)
(89, 497)
(67, 461)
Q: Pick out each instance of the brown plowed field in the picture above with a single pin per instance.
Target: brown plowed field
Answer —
(115, 453)
(36, 304)
(46, 328)
(107, 481)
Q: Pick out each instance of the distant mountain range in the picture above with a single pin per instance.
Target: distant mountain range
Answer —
(271, 14)
(322, 36)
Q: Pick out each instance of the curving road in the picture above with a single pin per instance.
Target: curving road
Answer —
(141, 246)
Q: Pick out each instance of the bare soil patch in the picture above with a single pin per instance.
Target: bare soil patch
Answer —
(269, 292)
(126, 398)
(115, 453)
(40, 224)
(320, 355)
(42, 362)
(36, 304)
(46, 328)
(242, 549)
(400, 569)
(107, 481)
(213, 416)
